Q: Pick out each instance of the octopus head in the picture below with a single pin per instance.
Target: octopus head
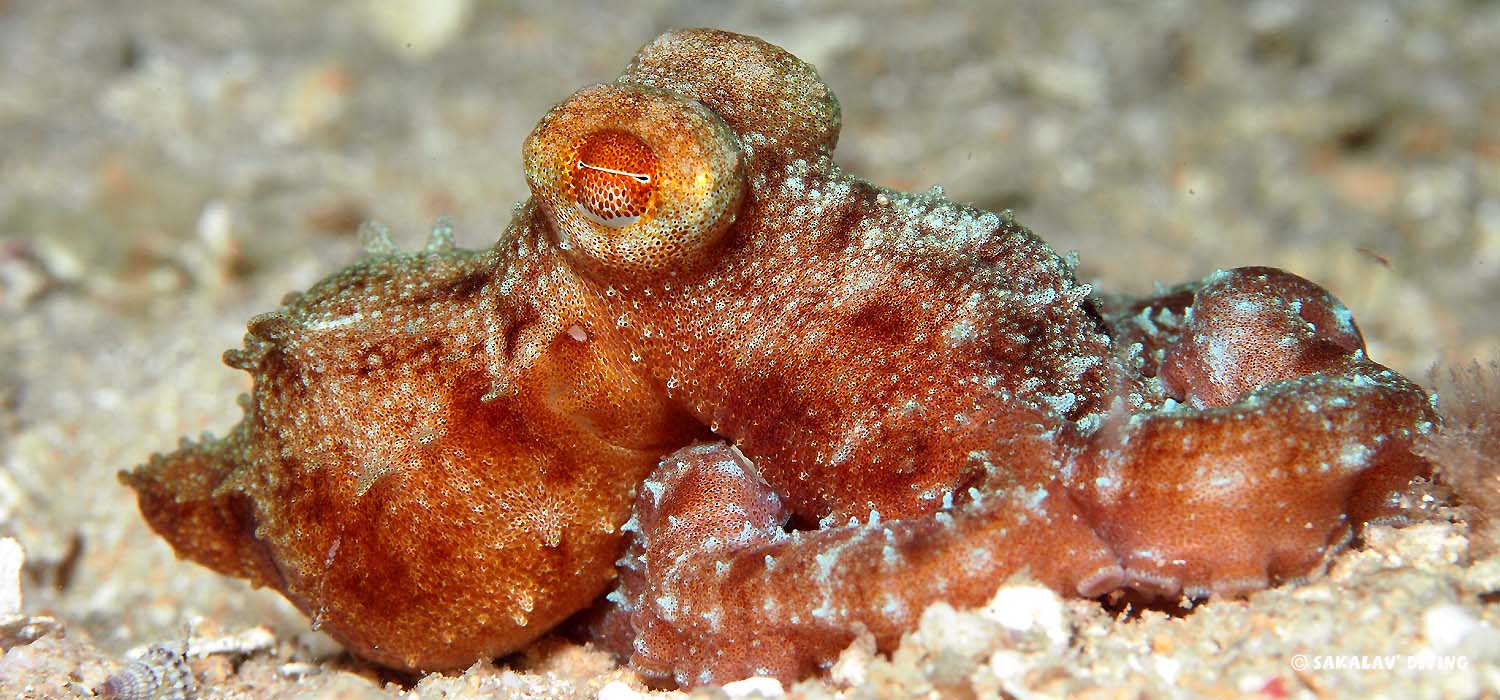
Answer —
(643, 177)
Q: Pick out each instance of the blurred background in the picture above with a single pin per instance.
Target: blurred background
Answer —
(168, 169)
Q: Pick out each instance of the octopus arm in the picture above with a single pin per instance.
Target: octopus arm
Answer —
(716, 589)
(1287, 441)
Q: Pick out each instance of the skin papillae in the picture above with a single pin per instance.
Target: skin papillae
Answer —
(773, 405)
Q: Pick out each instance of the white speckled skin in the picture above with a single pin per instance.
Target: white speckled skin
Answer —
(867, 401)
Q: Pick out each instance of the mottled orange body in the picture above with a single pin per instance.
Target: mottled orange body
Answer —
(814, 405)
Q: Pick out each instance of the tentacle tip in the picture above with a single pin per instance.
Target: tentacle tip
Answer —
(1103, 580)
(1152, 584)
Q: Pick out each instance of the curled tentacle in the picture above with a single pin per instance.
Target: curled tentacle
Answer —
(1289, 441)
(717, 590)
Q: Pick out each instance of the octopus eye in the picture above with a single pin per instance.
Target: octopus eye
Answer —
(635, 181)
(612, 178)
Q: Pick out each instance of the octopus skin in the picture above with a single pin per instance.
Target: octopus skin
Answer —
(761, 407)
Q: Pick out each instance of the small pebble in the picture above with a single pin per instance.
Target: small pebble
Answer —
(1025, 610)
(754, 687)
(12, 557)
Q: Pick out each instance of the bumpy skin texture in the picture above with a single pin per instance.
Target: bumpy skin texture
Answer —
(430, 466)
(867, 401)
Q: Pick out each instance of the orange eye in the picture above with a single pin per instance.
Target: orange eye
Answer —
(635, 181)
(613, 179)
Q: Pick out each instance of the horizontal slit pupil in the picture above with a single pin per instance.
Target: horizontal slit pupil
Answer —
(643, 178)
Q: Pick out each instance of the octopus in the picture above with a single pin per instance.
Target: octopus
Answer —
(746, 408)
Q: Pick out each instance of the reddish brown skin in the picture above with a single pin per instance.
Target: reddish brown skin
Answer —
(844, 403)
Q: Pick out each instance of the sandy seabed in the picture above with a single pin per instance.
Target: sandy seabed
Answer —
(169, 169)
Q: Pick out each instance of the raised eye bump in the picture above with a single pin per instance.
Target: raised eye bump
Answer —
(634, 180)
